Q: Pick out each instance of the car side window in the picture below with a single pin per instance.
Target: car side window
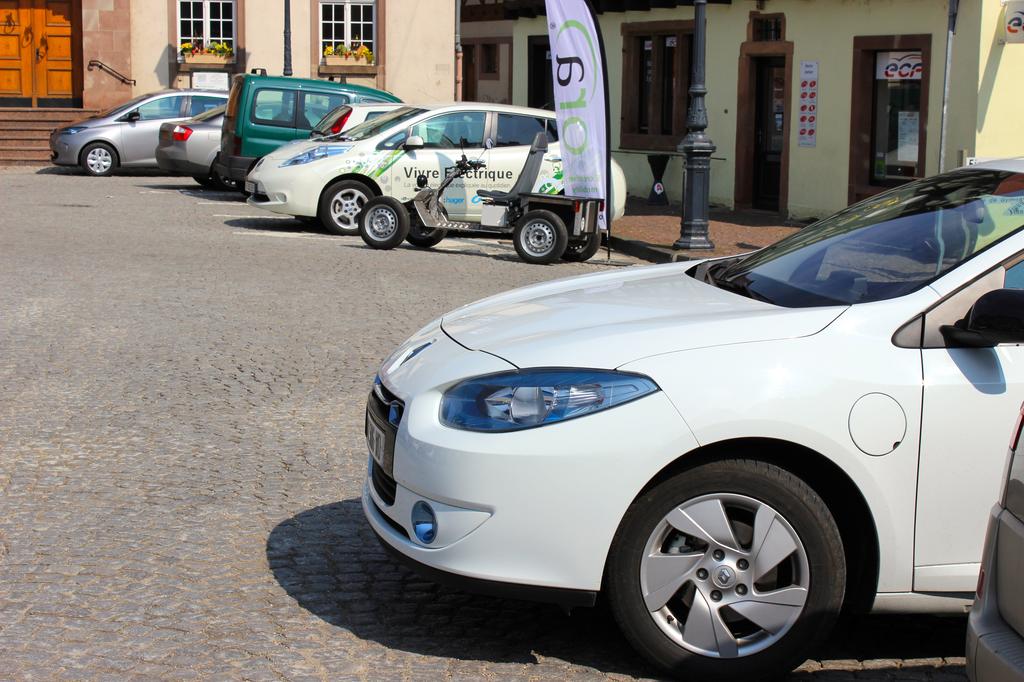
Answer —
(274, 107)
(165, 107)
(316, 105)
(453, 130)
(516, 131)
(200, 104)
(1010, 275)
(393, 142)
(1014, 276)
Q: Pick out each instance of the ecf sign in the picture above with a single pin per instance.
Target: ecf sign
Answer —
(1013, 22)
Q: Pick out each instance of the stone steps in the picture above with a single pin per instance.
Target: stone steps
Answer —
(25, 133)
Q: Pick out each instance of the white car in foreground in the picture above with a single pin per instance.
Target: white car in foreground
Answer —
(731, 450)
(332, 179)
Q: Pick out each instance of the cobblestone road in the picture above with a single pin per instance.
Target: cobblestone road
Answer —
(181, 457)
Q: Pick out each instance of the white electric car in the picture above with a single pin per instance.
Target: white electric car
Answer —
(732, 450)
(332, 179)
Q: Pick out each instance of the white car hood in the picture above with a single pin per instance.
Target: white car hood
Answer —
(610, 319)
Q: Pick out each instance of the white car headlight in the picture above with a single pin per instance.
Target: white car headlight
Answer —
(315, 154)
(510, 401)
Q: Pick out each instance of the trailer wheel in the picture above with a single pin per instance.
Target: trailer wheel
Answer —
(425, 237)
(540, 237)
(583, 250)
(383, 223)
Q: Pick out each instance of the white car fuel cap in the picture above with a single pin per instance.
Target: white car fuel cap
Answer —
(877, 424)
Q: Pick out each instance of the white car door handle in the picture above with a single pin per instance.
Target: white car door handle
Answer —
(553, 158)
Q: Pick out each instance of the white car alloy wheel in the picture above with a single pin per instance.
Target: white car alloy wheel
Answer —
(724, 575)
(345, 206)
(730, 570)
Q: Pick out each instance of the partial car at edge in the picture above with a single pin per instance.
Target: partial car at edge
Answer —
(995, 629)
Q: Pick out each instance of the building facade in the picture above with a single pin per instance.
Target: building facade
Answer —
(812, 104)
(96, 53)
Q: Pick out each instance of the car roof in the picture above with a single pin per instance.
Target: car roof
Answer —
(320, 84)
(189, 91)
(1013, 164)
(487, 106)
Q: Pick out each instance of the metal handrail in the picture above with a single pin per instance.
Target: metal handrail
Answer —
(95, 63)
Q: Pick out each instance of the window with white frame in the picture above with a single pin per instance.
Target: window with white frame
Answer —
(351, 23)
(202, 22)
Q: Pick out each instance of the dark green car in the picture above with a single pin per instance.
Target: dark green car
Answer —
(265, 112)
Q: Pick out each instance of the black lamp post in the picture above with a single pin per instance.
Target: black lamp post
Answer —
(287, 38)
(696, 147)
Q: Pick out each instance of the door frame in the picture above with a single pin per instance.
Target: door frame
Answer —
(746, 116)
(77, 76)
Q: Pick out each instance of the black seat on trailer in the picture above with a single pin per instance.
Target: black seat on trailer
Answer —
(527, 176)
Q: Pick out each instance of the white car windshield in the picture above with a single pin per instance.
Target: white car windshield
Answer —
(372, 127)
(884, 247)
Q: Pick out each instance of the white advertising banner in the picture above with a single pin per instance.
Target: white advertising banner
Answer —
(1013, 24)
(581, 100)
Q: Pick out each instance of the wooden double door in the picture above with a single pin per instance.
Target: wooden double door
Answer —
(39, 44)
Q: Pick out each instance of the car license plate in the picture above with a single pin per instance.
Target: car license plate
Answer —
(250, 187)
(377, 441)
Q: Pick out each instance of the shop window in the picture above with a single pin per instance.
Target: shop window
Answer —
(202, 22)
(349, 23)
(896, 126)
(655, 84)
(889, 113)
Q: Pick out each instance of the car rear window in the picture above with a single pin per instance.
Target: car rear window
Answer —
(315, 106)
(274, 107)
(200, 104)
(515, 130)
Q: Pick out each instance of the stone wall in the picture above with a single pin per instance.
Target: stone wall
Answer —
(106, 36)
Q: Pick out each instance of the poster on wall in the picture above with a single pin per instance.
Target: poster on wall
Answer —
(1013, 22)
(210, 80)
(807, 128)
(907, 130)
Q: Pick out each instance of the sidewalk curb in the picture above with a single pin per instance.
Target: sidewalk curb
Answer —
(647, 252)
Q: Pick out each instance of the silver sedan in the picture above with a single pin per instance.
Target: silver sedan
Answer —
(191, 148)
(126, 135)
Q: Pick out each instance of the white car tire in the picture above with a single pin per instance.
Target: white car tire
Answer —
(732, 570)
(341, 204)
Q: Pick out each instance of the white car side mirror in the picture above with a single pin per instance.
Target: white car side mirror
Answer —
(413, 142)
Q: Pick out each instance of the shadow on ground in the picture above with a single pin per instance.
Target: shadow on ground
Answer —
(329, 561)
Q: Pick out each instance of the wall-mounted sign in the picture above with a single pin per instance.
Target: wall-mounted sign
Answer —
(807, 112)
(1013, 22)
(899, 66)
(210, 80)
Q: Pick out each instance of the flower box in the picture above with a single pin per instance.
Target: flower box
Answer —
(339, 60)
(205, 58)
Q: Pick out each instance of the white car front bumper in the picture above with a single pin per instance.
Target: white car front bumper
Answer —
(529, 513)
(291, 191)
